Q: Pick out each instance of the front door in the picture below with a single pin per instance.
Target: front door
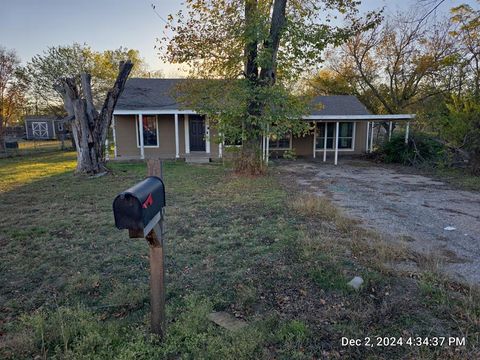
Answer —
(197, 132)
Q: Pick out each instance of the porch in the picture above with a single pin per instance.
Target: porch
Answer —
(166, 134)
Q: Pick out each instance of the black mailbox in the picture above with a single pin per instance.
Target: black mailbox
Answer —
(135, 208)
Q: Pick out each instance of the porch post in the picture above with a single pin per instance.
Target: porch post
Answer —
(336, 141)
(314, 139)
(207, 136)
(367, 137)
(325, 142)
(187, 135)
(140, 131)
(268, 144)
(177, 142)
(220, 146)
(390, 131)
(371, 136)
(264, 147)
(114, 138)
(407, 130)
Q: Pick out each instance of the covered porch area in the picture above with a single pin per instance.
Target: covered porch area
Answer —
(167, 134)
(353, 134)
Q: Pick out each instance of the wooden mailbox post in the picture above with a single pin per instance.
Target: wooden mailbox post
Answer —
(140, 209)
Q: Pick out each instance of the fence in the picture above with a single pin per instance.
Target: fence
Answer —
(27, 147)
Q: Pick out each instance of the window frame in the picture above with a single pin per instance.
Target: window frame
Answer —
(137, 135)
(354, 131)
(270, 148)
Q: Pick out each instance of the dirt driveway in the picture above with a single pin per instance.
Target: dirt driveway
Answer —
(427, 215)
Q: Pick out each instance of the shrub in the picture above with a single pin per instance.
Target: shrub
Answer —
(420, 150)
(289, 154)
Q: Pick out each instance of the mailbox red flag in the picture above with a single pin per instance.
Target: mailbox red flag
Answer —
(148, 202)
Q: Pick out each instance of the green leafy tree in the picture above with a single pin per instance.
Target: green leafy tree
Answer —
(46, 69)
(257, 48)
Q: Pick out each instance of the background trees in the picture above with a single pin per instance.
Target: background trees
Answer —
(12, 90)
(45, 70)
(259, 48)
(415, 63)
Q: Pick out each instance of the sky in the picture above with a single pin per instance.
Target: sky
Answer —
(30, 26)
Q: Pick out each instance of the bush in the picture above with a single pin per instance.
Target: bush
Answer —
(290, 154)
(420, 150)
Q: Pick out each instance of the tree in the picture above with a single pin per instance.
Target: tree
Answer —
(398, 64)
(468, 35)
(90, 127)
(258, 48)
(70, 62)
(12, 90)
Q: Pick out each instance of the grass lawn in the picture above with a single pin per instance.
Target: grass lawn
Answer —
(75, 287)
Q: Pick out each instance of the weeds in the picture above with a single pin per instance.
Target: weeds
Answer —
(75, 287)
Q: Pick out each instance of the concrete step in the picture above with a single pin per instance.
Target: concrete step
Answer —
(197, 158)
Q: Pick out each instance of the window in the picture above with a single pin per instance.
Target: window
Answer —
(280, 143)
(321, 135)
(150, 131)
(345, 135)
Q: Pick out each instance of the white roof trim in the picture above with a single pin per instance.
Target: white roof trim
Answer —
(152, 112)
(360, 117)
(307, 117)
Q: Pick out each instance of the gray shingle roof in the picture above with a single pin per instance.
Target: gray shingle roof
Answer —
(157, 94)
(148, 94)
(338, 105)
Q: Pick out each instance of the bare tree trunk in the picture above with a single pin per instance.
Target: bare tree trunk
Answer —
(90, 128)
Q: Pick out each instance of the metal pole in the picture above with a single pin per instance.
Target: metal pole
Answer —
(140, 131)
(407, 131)
(371, 136)
(314, 139)
(267, 152)
(336, 142)
(325, 142)
(177, 141)
(368, 133)
(390, 131)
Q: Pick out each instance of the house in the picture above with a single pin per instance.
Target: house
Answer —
(45, 127)
(149, 123)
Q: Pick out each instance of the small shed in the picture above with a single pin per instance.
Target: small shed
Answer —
(45, 127)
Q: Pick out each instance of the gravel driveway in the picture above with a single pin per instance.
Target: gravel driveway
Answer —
(432, 216)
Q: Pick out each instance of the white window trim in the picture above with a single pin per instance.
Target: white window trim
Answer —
(270, 148)
(354, 131)
(137, 123)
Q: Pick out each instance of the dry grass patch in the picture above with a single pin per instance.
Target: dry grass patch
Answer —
(365, 244)
(314, 206)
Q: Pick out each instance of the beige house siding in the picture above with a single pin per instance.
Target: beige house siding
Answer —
(126, 138)
(303, 146)
(125, 134)
(127, 148)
